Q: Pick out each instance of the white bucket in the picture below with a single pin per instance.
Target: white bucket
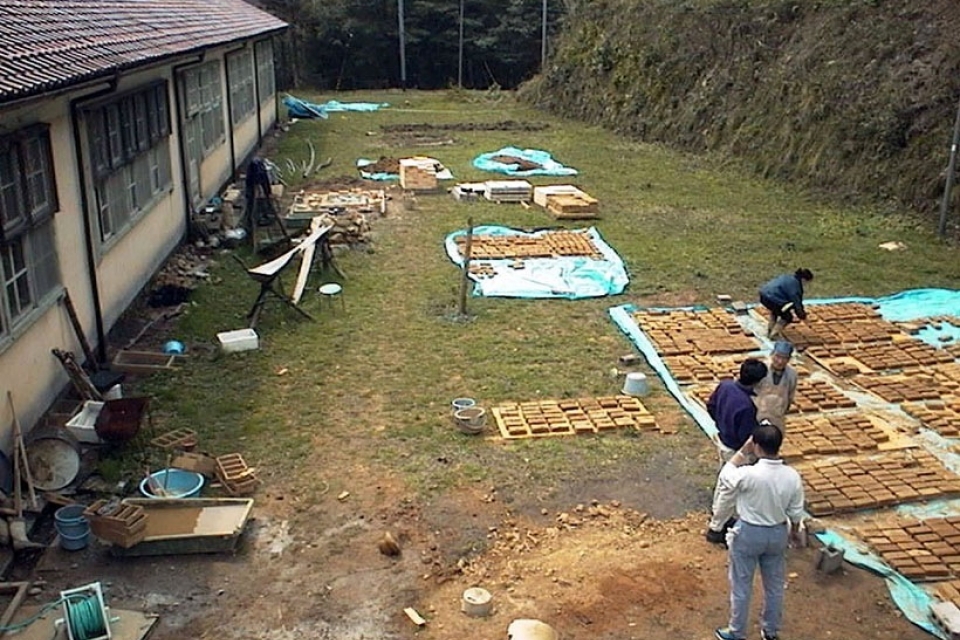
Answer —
(636, 384)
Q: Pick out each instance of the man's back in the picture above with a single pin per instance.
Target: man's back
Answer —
(768, 493)
(732, 409)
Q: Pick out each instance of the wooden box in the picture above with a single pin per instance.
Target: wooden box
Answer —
(121, 524)
(196, 462)
(145, 361)
(235, 475)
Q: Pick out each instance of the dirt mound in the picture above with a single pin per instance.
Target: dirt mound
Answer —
(384, 165)
(504, 125)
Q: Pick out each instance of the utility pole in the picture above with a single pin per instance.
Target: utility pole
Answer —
(543, 39)
(460, 51)
(951, 171)
(403, 46)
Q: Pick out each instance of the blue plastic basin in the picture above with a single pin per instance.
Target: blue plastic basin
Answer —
(176, 483)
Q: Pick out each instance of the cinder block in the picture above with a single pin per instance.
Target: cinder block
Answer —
(829, 559)
(947, 617)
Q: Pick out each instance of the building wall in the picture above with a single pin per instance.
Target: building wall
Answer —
(126, 262)
(31, 372)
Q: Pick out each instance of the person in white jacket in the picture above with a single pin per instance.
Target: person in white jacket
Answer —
(770, 506)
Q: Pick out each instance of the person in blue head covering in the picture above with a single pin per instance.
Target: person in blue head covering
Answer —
(776, 391)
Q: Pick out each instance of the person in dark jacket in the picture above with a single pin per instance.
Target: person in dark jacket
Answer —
(783, 297)
(733, 410)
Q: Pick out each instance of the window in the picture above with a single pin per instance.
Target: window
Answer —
(130, 154)
(240, 75)
(203, 104)
(28, 200)
(266, 84)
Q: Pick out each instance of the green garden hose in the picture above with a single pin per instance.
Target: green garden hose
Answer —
(85, 616)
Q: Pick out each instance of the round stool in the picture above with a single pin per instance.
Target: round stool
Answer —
(331, 290)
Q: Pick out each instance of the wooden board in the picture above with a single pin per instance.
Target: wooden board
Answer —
(198, 525)
(146, 361)
(124, 624)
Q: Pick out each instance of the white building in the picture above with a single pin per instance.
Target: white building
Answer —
(117, 117)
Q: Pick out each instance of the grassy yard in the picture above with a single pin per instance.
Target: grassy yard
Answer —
(358, 394)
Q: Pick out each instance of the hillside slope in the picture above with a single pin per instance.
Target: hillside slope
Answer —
(855, 97)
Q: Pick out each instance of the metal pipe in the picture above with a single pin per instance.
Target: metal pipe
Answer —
(951, 171)
(460, 51)
(86, 216)
(403, 46)
(543, 39)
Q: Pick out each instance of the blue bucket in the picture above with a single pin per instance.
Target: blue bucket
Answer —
(176, 483)
(72, 527)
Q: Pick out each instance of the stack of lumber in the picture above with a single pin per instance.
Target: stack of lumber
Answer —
(418, 174)
(468, 190)
(507, 190)
(566, 202)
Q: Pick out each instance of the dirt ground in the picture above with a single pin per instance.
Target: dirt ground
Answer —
(631, 562)
(619, 555)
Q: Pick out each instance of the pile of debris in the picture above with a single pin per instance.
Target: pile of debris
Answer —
(349, 228)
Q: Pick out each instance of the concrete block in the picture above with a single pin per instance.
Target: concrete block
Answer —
(829, 559)
(947, 616)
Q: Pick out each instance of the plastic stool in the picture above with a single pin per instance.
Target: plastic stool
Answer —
(331, 290)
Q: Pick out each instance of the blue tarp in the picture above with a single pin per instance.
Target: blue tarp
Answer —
(912, 305)
(909, 597)
(571, 278)
(548, 166)
(442, 172)
(297, 108)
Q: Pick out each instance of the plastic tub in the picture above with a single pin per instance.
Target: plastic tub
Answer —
(471, 420)
(462, 403)
(174, 483)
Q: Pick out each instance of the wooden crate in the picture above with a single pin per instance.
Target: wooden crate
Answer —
(196, 462)
(415, 175)
(121, 524)
(236, 476)
(176, 439)
(573, 206)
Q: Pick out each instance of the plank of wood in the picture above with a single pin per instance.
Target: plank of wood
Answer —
(415, 617)
(306, 261)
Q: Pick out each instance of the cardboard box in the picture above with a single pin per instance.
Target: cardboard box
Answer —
(196, 462)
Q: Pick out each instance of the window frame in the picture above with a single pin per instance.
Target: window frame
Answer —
(129, 128)
(29, 265)
(241, 79)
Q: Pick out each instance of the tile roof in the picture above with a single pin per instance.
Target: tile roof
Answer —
(48, 44)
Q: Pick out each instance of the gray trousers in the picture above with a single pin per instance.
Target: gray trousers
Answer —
(752, 546)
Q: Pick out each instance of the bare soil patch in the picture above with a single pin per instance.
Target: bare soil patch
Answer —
(503, 125)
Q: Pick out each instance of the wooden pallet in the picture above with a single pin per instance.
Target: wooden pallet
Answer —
(550, 418)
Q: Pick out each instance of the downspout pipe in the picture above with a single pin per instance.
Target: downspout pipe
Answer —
(256, 93)
(86, 215)
(184, 176)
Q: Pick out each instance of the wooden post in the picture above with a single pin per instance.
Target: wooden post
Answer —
(21, 464)
(951, 171)
(75, 322)
(465, 280)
